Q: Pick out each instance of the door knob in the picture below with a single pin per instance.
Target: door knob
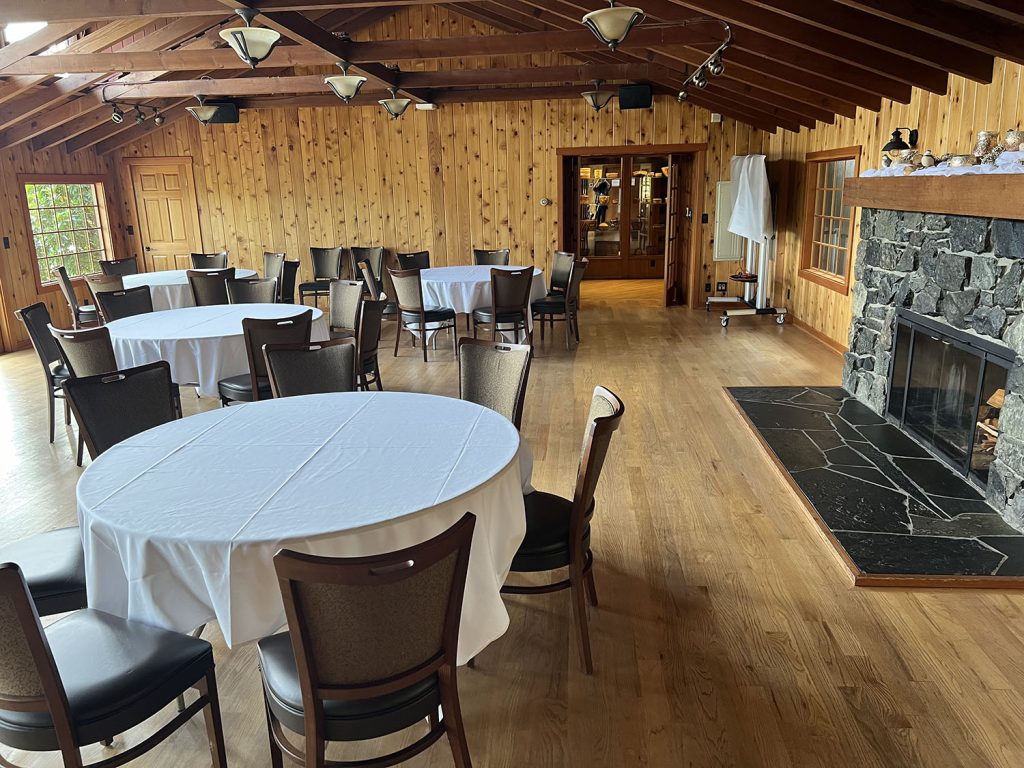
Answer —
(148, 248)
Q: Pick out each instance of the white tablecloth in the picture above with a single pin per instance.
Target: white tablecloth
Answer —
(170, 288)
(202, 344)
(180, 523)
(467, 288)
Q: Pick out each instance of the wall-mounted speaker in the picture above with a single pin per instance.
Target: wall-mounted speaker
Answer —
(635, 96)
(227, 111)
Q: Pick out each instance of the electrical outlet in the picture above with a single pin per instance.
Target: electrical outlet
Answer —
(707, 287)
(703, 218)
(722, 287)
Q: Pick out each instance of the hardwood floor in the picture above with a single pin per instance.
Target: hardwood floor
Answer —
(729, 634)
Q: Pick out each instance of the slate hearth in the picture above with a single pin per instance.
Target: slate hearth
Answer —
(894, 509)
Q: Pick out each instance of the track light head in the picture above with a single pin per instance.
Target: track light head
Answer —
(139, 117)
(683, 96)
(700, 79)
(159, 119)
(117, 115)
(716, 66)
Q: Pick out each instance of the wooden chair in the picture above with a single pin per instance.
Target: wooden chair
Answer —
(370, 651)
(494, 375)
(495, 258)
(563, 308)
(371, 315)
(311, 369)
(210, 260)
(255, 385)
(36, 318)
(103, 283)
(326, 268)
(209, 288)
(122, 267)
(53, 565)
(510, 303)
(558, 530)
(375, 288)
(91, 675)
(414, 260)
(273, 265)
(126, 302)
(81, 314)
(343, 299)
(413, 314)
(252, 290)
(374, 255)
(561, 266)
(289, 271)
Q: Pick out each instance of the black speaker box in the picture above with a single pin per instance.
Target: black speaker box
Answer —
(227, 111)
(635, 96)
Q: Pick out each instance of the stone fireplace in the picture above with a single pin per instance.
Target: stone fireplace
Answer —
(957, 282)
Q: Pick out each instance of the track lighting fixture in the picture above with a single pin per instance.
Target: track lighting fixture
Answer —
(252, 44)
(345, 86)
(117, 115)
(597, 98)
(716, 66)
(612, 24)
(713, 65)
(139, 117)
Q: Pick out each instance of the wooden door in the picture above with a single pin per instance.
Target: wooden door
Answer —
(680, 229)
(165, 203)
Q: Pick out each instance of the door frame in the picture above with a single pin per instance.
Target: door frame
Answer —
(128, 180)
(698, 152)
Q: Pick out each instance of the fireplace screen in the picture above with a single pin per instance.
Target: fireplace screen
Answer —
(947, 389)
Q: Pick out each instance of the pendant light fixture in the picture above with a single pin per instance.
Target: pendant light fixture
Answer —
(252, 44)
(395, 106)
(204, 113)
(612, 24)
(345, 86)
(597, 98)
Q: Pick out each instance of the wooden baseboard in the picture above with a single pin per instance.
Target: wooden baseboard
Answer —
(829, 342)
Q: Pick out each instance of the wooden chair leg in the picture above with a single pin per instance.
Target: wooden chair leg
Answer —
(398, 335)
(81, 446)
(211, 713)
(53, 418)
(67, 411)
(591, 588)
(568, 333)
(455, 341)
(376, 377)
(276, 758)
(579, 608)
(423, 330)
(453, 718)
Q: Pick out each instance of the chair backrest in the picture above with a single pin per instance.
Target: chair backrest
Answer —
(415, 260)
(36, 318)
(125, 303)
(255, 290)
(371, 317)
(572, 291)
(103, 283)
(114, 406)
(365, 625)
(408, 289)
(289, 270)
(129, 266)
(370, 278)
(510, 289)
(67, 288)
(606, 411)
(273, 265)
(87, 352)
(210, 260)
(561, 265)
(494, 374)
(485, 258)
(326, 263)
(374, 255)
(311, 369)
(343, 304)
(295, 329)
(209, 288)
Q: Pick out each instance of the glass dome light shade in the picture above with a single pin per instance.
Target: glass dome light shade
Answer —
(252, 44)
(395, 106)
(345, 87)
(598, 99)
(204, 113)
(612, 24)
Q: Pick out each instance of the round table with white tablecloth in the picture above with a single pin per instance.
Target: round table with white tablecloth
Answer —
(180, 523)
(170, 289)
(202, 344)
(467, 288)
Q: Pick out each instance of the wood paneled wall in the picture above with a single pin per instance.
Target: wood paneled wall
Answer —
(948, 123)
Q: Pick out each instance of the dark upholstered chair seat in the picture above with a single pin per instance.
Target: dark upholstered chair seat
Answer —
(390, 309)
(549, 305)
(433, 315)
(546, 544)
(341, 333)
(240, 388)
(485, 315)
(116, 674)
(60, 373)
(343, 720)
(54, 568)
(315, 286)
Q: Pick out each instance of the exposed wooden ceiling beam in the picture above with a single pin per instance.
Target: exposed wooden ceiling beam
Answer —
(36, 42)
(1007, 9)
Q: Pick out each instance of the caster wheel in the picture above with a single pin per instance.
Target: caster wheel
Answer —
(780, 319)
(725, 322)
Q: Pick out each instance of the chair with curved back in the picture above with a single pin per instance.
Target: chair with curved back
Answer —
(374, 255)
(252, 290)
(102, 283)
(563, 308)
(494, 375)
(273, 265)
(561, 266)
(558, 530)
(510, 303)
(209, 288)
(126, 302)
(286, 289)
(36, 318)
(371, 649)
(414, 315)
(90, 676)
(491, 258)
(81, 314)
(344, 298)
(311, 369)
(414, 260)
(371, 316)
(210, 260)
(258, 332)
(375, 288)
(122, 267)
(326, 268)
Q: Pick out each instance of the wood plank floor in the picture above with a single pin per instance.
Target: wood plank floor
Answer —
(729, 634)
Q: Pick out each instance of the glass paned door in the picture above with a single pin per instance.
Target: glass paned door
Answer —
(600, 205)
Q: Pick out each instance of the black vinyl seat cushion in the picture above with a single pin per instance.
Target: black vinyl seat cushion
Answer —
(549, 305)
(485, 315)
(116, 674)
(546, 544)
(341, 333)
(390, 309)
(53, 564)
(316, 286)
(432, 314)
(343, 720)
(60, 373)
(240, 388)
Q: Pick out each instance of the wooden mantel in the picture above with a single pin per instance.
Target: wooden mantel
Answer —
(995, 195)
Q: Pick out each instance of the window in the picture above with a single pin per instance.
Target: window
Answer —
(828, 224)
(69, 225)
